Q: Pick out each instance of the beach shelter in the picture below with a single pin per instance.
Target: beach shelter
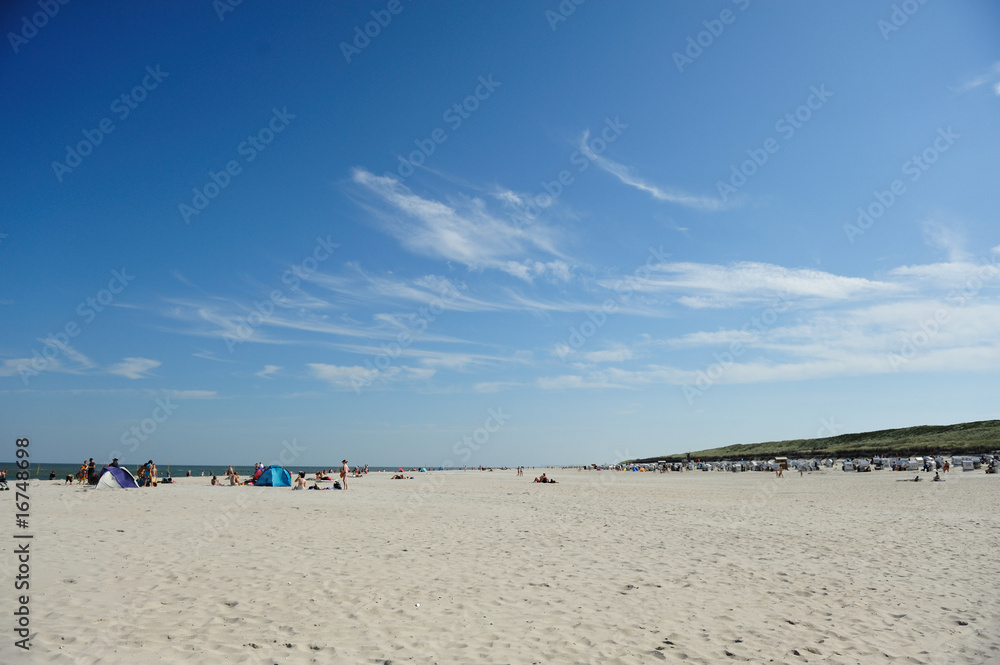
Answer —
(113, 477)
(274, 476)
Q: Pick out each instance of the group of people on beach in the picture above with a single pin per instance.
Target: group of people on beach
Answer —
(145, 474)
(86, 475)
(300, 482)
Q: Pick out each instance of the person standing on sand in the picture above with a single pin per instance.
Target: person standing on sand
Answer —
(142, 474)
(344, 470)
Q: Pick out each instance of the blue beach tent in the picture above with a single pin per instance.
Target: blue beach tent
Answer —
(274, 476)
(113, 477)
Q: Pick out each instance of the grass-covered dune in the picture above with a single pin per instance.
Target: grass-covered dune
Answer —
(964, 438)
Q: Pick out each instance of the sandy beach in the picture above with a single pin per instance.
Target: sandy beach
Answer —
(480, 567)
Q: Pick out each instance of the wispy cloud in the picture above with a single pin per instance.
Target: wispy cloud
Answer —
(267, 371)
(706, 285)
(287, 326)
(828, 325)
(990, 77)
(494, 386)
(574, 381)
(463, 229)
(68, 360)
(209, 355)
(134, 368)
(628, 176)
(125, 392)
(355, 377)
(615, 353)
(946, 237)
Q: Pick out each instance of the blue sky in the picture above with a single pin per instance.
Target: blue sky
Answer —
(520, 233)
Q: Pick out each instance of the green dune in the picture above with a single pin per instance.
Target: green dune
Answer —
(963, 438)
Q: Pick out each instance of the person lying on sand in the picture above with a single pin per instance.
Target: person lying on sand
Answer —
(400, 476)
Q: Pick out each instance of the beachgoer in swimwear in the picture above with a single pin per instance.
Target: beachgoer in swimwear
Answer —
(142, 474)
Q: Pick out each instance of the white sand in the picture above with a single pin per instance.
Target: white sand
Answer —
(603, 568)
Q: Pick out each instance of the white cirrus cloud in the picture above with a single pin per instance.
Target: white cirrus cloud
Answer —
(990, 77)
(134, 368)
(463, 229)
(268, 371)
(628, 177)
(615, 353)
(710, 285)
(357, 377)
